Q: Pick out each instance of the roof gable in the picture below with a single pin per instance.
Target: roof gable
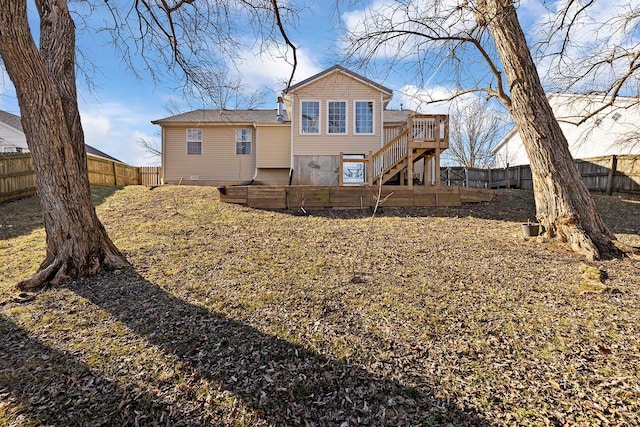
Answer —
(338, 69)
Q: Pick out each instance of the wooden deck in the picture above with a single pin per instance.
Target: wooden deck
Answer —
(345, 197)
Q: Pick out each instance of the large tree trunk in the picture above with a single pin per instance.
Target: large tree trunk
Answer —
(563, 203)
(77, 243)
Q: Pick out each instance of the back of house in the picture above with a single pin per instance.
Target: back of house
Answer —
(320, 121)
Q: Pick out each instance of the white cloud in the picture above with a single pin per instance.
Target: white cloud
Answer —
(425, 100)
(272, 68)
(115, 129)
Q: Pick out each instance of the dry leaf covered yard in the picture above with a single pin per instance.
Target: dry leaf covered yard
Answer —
(234, 316)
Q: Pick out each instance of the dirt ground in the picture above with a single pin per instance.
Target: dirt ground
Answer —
(238, 317)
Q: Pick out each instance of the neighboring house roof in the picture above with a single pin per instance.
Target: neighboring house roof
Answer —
(611, 125)
(97, 153)
(15, 122)
(223, 117)
(11, 120)
(335, 69)
(396, 116)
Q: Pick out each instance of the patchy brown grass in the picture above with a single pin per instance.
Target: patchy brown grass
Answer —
(236, 317)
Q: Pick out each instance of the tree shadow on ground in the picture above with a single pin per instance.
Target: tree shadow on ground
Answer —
(20, 217)
(40, 385)
(284, 383)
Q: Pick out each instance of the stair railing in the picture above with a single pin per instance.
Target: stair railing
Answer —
(389, 155)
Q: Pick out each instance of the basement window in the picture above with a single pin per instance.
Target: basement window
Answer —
(353, 173)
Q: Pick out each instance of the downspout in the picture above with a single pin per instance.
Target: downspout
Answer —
(162, 153)
(255, 153)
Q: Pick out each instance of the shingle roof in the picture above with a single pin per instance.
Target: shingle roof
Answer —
(339, 69)
(95, 152)
(11, 120)
(224, 116)
(397, 116)
(16, 123)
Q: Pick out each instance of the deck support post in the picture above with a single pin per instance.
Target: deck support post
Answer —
(410, 166)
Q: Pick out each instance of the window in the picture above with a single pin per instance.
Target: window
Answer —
(310, 117)
(337, 117)
(194, 141)
(243, 141)
(364, 117)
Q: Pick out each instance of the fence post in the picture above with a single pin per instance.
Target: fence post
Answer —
(506, 177)
(612, 172)
(115, 174)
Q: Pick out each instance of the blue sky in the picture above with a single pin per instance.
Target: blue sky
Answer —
(118, 110)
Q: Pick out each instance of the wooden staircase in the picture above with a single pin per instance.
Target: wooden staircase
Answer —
(422, 137)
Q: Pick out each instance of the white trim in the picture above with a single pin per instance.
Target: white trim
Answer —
(300, 132)
(373, 117)
(346, 117)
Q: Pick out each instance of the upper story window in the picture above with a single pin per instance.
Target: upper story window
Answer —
(363, 123)
(243, 141)
(194, 141)
(310, 117)
(337, 117)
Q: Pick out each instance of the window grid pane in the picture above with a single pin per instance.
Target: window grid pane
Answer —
(310, 112)
(194, 147)
(337, 117)
(194, 141)
(243, 147)
(243, 135)
(364, 117)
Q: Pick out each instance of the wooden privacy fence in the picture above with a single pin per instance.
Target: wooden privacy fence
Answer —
(607, 174)
(17, 178)
(151, 176)
(513, 177)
